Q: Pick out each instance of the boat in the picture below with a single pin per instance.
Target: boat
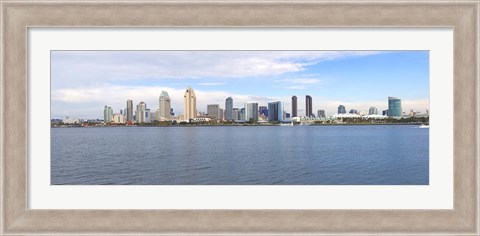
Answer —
(423, 126)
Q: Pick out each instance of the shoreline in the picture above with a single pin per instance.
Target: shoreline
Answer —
(234, 125)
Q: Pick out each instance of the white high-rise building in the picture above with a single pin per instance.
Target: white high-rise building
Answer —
(164, 106)
(107, 114)
(189, 105)
(251, 111)
(140, 114)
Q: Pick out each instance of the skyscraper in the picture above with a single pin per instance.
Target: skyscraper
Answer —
(308, 106)
(275, 111)
(321, 113)
(236, 114)
(129, 110)
(394, 107)
(189, 105)
(140, 114)
(341, 110)
(229, 109)
(251, 111)
(242, 114)
(221, 114)
(294, 106)
(213, 111)
(107, 114)
(148, 115)
(373, 111)
(263, 110)
(164, 106)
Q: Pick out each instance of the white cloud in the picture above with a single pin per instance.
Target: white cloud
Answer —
(211, 84)
(300, 81)
(295, 87)
(87, 67)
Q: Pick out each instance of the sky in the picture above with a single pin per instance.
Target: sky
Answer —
(83, 82)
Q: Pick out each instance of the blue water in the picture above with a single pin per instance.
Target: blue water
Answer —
(241, 155)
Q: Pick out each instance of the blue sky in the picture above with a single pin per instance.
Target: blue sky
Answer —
(83, 82)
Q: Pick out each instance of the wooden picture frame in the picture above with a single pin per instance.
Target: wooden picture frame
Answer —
(18, 16)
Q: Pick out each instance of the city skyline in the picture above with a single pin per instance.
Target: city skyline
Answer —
(329, 77)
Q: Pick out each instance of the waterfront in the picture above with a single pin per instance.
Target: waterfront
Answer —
(241, 155)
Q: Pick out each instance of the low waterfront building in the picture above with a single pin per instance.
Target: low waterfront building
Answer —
(321, 113)
(200, 119)
(375, 116)
(373, 111)
(344, 115)
(69, 120)
(119, 118)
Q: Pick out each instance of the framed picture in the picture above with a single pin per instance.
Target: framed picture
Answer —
(240, 117)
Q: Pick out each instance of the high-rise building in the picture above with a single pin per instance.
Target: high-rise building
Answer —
(164, 106)
(140, 113)
(373, 111)
(308, 106)
(321, 113)
(221, 115)
(394, 107)
(189, 105)
(263, 110)
(107, 114)
(251, 111)
(148, 115)
(294, 106)
(229, 109)
(341, 110)
(129, 110)
(236, 114)
(353, 111)
(275, 111)
(213, 111)
(242, 114)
